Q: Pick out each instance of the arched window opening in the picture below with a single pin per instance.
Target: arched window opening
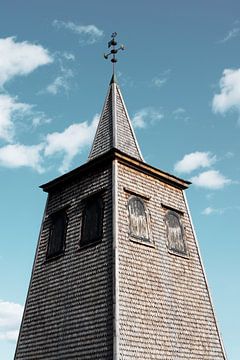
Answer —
(138, 223)
(175, 233)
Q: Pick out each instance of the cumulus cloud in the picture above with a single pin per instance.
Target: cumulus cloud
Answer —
(229, 96)
(61, 82)
(20, 58)
(211, 179)
(58, 84)
(10, 319)
(193, 161)
(18, 155)
(209, 211)
(10, 109)
(145, 117)
(38, 118)
(68, 144)
(71, 141)
(89, 33)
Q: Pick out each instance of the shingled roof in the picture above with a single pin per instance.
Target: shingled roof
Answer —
(114, 128)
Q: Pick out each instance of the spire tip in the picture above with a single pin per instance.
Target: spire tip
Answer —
(113, 79)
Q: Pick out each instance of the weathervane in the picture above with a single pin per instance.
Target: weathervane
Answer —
(112, 43)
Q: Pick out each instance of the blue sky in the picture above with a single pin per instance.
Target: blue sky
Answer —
(180, 78)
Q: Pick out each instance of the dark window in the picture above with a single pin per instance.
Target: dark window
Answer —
(56, 243)
(138, 224)
(175, 233)
(92, 221)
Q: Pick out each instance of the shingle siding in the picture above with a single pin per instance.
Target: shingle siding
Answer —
(103, 140)
(69, 308)
(163, 304)
(139, 300)
(114, 129)
(165, 309)
(126, 141)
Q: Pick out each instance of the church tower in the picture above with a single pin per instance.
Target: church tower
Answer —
(117, 273)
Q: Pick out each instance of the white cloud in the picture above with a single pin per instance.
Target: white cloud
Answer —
(18, 155)
(179, 111)
(209, 211)
(194, 161)
(68, 56)
(13, 112)
(231, 34)
(20, 58)
(146, 116)
(89, 33)
(211, 179)
(71, 141)
(229, 97)
(124, 80)
(10, 319)
(56, 85)
(160, 80)
(180, 114)
(61, 56)
(39, 118)
(10, 109)
(68, 143)
(61, 82)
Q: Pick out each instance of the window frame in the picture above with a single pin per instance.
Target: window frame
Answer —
(132, 236)
(53, 216)
(88, 200)
(178, 215)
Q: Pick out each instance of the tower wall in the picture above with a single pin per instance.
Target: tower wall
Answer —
(68, 313)
(165, 311)
(139, 291)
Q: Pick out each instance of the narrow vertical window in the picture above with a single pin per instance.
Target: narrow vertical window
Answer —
(138, 225)
(175, 233)
(56, 243)
(92, 221)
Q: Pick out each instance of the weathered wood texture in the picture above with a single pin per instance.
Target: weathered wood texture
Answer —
(114, 129)
(103, 140)
(69, 308)
(126, 141)
(165, 309)
(128, 292)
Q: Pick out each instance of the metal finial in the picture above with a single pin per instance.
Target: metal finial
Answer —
(112, 44)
